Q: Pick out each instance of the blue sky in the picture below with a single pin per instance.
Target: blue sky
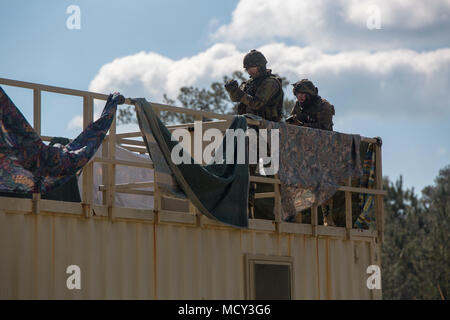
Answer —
(392, 82)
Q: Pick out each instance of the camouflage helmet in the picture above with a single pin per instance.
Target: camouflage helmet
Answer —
(305, 86)
(254, 59)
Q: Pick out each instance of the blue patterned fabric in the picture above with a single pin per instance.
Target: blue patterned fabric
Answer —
(27, 165)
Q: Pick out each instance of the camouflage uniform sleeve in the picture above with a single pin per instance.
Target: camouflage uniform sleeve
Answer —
(324, 118)
(263, 94)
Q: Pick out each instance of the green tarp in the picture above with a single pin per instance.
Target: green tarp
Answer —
(219, 191)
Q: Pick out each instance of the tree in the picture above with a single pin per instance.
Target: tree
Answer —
(415, 254)
(400, 205)
(436, 200)
(213, 99)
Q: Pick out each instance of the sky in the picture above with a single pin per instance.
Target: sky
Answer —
(383, 64)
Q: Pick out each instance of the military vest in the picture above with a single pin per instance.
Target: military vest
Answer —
(272, 111)
(319, 111)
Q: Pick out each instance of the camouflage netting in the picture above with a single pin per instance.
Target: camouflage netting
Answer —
(313, 164)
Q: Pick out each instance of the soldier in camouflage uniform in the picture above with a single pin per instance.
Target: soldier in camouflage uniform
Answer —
(311, 110)
(261, 95)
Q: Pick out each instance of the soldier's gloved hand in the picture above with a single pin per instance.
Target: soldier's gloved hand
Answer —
(231, 85)
(293, 120)
(234, 91)
(290, 119)
(379, 141)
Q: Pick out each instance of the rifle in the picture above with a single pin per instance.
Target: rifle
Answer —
(294, 121)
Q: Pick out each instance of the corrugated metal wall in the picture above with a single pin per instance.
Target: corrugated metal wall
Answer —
(136, 260)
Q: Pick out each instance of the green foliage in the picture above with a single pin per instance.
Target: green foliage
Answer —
(415, 254)
(213, 99)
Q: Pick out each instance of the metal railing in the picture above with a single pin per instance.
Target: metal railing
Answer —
(109, 161)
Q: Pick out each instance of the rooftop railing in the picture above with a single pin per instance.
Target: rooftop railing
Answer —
(132, 141)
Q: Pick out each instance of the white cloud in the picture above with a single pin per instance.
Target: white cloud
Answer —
(337, 25)
(75, 123)
(400, 82)
(268, 19)
(316, 62)
(151, 75)
(399, 14)
(142, 70)
(402, 70)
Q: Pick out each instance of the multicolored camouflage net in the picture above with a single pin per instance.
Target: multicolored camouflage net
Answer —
(27, 165)
(313, 164)
(367, 219)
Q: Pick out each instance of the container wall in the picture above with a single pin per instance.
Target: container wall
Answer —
(137, 260)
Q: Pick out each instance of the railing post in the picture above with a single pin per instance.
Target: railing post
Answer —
(299, 217)
(37, 100)
(111, 192)
(197, 152)
(35, 200)
(88, 170)
(37, 110)
(348, 210)
(379, 204)
(105, 181)
(277, 207)
(157, 200)
(314, 220)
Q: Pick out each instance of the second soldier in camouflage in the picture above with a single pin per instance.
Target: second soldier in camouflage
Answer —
(311, 110)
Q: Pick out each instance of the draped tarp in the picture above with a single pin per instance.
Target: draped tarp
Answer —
(313, 163)
(219, 191)
(27, 165)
